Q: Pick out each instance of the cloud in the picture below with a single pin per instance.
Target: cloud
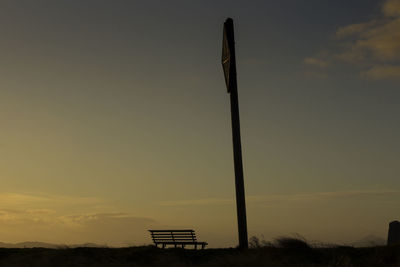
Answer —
(318, 196)
(391, 8)
(316, 62)
(18, 199)
(86, 219)
(377, 40)
(382, 72)
(354, 29)
(198, 202)
(68, 219)
(40, 211)
(21, 208)
(15, 199)
(342, 194)
(373, 46)
(114, 228)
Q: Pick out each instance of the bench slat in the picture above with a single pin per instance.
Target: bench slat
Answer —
(177, 234)
(176, 237)
(182, 243)
(172, 240)
(164, 238)
(171, 230)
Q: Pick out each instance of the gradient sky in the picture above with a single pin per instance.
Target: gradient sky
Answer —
(115, 119)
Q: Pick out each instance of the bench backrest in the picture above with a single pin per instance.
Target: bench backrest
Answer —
(160, 236)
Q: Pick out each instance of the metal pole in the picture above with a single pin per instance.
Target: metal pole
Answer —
(237, 147)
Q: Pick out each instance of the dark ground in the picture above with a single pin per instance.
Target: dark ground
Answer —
(151, 256)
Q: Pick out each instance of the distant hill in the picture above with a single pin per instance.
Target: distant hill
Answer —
(33, 244)
(369, 241)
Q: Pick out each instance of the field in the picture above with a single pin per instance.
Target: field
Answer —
(286, 253)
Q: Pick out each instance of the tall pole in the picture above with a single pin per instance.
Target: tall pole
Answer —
(229, 65)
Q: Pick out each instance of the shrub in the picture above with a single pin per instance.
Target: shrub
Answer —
(255, 242)
(292, 243)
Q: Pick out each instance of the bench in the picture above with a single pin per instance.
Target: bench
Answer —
(176, 237)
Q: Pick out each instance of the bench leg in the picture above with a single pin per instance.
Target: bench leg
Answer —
(163, 246)
(195, 246)
(202, 246)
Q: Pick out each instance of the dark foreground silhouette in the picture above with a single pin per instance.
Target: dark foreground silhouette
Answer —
(286, 253)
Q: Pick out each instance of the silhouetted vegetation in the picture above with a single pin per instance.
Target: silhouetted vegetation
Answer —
(299, 243)
(281, 252)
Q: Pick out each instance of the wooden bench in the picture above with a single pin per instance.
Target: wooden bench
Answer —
(176, 238)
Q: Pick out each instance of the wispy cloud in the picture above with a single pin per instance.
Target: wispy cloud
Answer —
(17, 208)
(377, 40)
(391, 8)
(111, 218)
(19, 199)
(316, 62)
(70, 219)
(373, 46)
(382, 72)
(273, 198)
(354, 29)
(198, 202)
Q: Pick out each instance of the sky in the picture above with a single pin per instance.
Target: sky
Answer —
(115, 119)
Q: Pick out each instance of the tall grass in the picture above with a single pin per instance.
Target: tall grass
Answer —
(281, 252)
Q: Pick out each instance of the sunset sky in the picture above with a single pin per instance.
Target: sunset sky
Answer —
(114, 119)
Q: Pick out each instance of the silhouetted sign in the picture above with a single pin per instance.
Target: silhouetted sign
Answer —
(228, 55)
(226, 58)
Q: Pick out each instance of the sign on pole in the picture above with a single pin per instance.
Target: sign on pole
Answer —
(229, 67)
(226, 58)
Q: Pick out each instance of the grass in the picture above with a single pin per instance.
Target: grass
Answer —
(282, 252)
